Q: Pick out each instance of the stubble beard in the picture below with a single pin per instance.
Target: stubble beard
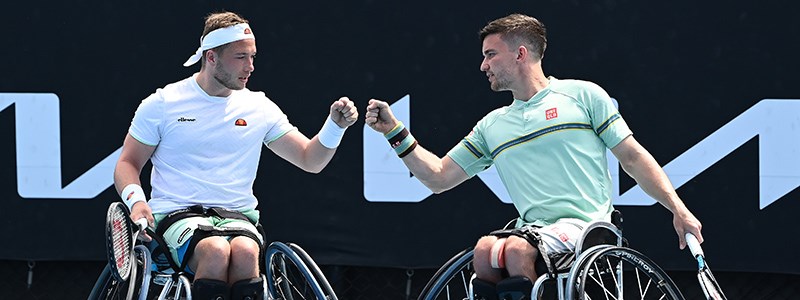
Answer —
(226, 79)
(499, 84)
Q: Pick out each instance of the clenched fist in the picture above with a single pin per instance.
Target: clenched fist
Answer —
(379, 116)
(344, 112)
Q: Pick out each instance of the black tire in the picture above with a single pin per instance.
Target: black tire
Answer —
(598, 276)
(292, 274)
(452, 280)
(109, 288)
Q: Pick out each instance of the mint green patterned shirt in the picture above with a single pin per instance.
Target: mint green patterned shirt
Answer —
(550, 151)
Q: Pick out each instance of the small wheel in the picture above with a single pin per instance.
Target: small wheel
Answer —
(452, 280)
(617, 273)
(292, 274)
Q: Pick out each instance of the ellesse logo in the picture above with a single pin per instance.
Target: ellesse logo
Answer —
(240, 122)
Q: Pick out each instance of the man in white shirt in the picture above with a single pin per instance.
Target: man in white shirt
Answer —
(203, 136)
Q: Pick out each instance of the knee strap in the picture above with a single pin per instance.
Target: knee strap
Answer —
(514, 288)
(483, 290)
(248, 289)
(209, 289)
(497, 254)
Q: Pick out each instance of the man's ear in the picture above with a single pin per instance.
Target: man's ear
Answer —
(522, 52)
(210, 56)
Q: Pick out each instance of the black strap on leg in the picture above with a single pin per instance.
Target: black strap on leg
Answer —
(528, 233)
(514, 288)
(209, 289)
(248, 289)
(483, 290)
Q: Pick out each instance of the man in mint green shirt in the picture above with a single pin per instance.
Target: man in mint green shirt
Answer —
(549, 147)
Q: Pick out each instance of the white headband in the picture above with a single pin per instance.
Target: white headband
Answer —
(220, 37)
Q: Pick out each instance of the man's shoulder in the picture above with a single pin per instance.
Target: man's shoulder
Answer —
(174, 90)
(491, 117)
(577, 89)
(572, 85)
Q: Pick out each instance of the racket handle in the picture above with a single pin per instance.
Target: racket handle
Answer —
(142, 223)
(694, 245)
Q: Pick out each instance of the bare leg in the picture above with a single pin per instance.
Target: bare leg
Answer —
(481, 260)
(211, 259)
(520, 257)
(244, 259)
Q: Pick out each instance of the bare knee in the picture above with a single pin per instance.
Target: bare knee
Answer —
(520, 257)
(213, 248)
(484, 246)
(244, 248)
(211, 258)
(482, 261)
(519, 248)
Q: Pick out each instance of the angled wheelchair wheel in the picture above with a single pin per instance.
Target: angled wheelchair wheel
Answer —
(452, 280)
(618, 272)
(108, 288)
(291, 274)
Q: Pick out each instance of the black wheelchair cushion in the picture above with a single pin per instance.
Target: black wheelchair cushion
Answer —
(514, 288)
(248, 289)
(209, 289)
(483, 290)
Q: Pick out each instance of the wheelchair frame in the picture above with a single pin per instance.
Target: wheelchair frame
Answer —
(289, 274)
(595, 263)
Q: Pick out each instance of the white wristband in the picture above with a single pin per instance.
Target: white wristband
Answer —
(331, 134)
(131, 194)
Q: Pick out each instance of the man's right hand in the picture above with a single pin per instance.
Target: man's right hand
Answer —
(379, 116)
(142, 210)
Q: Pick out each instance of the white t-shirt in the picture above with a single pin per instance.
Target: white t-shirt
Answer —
(207, 148)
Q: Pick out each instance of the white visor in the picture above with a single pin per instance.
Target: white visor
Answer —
(220, 37)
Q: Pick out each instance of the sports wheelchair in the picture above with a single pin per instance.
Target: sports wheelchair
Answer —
(288, 273)
(603, 268)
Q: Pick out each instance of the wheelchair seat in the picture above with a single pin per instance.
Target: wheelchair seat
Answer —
(287, 272)
(601, 257)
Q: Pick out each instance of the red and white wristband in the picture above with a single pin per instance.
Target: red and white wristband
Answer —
(131, 194)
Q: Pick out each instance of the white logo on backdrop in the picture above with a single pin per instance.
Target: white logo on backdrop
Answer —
(776, 123)
(38, 130)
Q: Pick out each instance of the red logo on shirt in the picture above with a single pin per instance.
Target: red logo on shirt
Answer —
(551, 113)
(241, 122)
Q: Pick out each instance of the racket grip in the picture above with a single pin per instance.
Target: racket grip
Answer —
(694, 245)
(142, 223)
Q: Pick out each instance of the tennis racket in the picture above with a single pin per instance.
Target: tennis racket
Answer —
(707, 282)
(120, 239)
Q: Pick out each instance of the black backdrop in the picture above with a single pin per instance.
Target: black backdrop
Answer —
(679, 69)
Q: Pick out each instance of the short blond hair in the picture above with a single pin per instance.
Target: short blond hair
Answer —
(219, 20)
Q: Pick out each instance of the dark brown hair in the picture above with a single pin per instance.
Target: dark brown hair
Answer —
(519, 29)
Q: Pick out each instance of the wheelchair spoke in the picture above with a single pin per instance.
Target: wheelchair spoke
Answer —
(639, 281)
(596, 277)
(645, 280)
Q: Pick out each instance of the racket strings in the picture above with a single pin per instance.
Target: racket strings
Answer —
(121, 240)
